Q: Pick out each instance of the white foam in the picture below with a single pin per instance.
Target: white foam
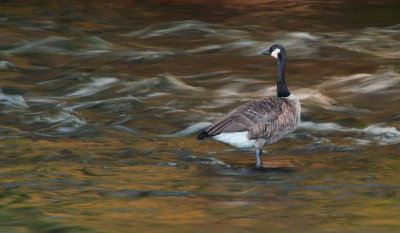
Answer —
(49, 44)
(163, 83)
(364, 83)
(381, 135)
(192, 129)
(63, 117)
(381, 42)
(313, 97)
(14, 100)
(384, 135)
(303, 35)
(206, 48)
(5, 65)
(320, 126)
(97, 85)
(174, 28)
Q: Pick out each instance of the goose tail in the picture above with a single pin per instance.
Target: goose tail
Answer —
(203, 135)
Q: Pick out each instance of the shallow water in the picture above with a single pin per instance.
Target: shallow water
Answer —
(100, 103)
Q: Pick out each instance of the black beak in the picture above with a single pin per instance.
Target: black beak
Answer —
(266, 52)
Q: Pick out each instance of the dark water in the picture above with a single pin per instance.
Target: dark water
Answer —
(100, 103)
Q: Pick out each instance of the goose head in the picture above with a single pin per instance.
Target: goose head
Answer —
(275, 51)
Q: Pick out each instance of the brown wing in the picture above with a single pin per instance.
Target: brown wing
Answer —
(283, 118)
(253, 117)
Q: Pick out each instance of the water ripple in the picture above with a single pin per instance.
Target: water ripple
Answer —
(382, 135)
(95, 86)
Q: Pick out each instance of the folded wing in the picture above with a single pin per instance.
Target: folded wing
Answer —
(257, 117)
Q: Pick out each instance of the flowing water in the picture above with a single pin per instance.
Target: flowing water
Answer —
(101, 102)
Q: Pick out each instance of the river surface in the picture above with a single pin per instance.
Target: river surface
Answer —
(100, 103)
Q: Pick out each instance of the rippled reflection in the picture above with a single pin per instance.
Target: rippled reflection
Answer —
(100, 103)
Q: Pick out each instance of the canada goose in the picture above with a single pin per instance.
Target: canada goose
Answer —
(262, 121)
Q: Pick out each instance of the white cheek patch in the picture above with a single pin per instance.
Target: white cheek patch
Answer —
(275, 53)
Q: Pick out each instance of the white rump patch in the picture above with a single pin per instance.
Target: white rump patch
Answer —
(275, 53)
(237, 139)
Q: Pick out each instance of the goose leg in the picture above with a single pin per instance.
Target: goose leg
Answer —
(258, 157)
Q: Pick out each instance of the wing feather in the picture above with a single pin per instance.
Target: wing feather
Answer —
(254, 117)
(281, 120)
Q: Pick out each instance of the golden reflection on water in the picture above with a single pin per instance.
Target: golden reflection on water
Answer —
(108, 85)
(87, 185)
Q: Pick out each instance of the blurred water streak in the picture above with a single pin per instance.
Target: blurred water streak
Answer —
(100, 104)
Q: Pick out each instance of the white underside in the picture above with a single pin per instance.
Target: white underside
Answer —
(237, 139)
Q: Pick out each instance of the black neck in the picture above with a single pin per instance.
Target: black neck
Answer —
(281, 87)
